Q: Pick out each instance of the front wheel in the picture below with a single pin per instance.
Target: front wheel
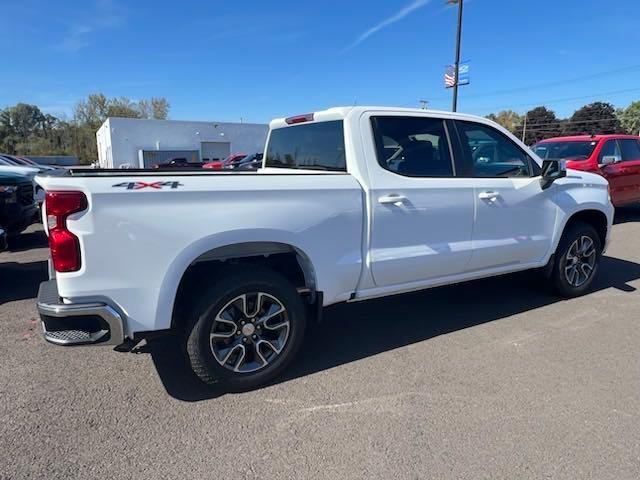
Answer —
(246, 330)
(576, 260)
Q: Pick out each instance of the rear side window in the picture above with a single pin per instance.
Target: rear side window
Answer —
(413, 146)
(610, 148)
(630, 149)
(315, 146)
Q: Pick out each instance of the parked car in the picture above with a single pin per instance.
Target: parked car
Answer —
(7, 165)
(250, 162)
(227, 163)
(178, 163)
(615, 157)
(18, 209)
(25, 162)
(354, 203)
(3, 239)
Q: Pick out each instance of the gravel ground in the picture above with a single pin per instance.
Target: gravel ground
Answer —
(492, 379)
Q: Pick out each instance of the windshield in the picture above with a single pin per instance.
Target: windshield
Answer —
(580, 150)
(315, 146)
(7, 161)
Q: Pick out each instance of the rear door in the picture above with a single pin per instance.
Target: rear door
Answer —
(422, 214)
(630, 148)
(615, 173)
(514, 218)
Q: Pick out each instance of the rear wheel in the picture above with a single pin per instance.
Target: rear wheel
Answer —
(576, 260)
(246, 330)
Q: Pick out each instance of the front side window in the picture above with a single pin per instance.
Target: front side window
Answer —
(313, 146)
(413, 146)
(490, 153)
(610, 148)
(630, 149)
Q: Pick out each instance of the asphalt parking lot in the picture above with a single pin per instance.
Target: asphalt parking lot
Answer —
(492, 379)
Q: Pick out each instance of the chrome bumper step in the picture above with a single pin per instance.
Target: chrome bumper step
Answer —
(69, 324)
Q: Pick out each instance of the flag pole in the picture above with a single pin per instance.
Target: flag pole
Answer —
(456, 68)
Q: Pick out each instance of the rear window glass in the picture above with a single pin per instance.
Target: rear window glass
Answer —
(630, 149)
(315, 146)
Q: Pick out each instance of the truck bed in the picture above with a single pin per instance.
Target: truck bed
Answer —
(143, 228)
(146, 172)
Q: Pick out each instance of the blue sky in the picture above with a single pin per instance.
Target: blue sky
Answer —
(223, 60)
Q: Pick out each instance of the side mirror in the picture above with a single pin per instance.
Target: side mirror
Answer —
(609, 159)
(552, 170)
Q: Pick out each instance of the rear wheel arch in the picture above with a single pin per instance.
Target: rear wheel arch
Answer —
(285, 259)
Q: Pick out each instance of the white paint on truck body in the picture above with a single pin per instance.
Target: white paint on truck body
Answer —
(137, 244)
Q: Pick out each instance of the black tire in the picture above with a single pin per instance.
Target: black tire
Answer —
(561, 284)
(235, 282)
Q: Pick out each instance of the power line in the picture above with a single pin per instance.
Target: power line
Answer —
(568, 99)
(572, 122)
(548, 84)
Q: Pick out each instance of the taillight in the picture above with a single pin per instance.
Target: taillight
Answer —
(64, 245)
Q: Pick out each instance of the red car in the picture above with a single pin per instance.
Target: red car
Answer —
(615, 157)
(226, 163)
(178, 163)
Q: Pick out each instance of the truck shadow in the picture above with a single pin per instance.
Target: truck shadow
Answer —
(28, 241)
(627, 215)
(350, 332)
(20, 281)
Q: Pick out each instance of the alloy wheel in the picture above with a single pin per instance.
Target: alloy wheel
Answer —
(249, 332)
(580, 261)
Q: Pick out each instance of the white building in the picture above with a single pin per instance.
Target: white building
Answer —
(136, 143)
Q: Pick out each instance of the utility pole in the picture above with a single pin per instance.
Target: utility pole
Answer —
(524, 128)
(456, 67)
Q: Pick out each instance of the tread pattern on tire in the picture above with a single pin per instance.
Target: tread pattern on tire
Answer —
(233, 279)
(568, 236)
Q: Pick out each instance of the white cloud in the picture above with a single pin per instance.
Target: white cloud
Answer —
(104, 14)
(406, 10)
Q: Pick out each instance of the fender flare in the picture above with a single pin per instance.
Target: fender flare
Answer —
(221, 247)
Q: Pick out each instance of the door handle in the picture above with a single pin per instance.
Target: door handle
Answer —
(393, 198)
(491, 196)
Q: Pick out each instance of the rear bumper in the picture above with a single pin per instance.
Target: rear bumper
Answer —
(68, 324)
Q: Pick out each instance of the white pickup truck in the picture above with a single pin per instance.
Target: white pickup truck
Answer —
(351, 203)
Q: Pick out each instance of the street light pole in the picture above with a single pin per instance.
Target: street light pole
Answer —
(456, 67)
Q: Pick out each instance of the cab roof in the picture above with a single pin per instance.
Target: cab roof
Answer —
(340, 113)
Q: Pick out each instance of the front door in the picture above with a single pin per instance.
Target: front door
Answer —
(422, 215)
(515, 218)
(615, 173)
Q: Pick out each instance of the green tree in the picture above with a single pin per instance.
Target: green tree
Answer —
(19, 123)
(508, 119)
(539, 123)
(26, 130)
(123, 107)
(597, 117)
(93, 111)
(160, 107)
(156, 108)
(630, 118)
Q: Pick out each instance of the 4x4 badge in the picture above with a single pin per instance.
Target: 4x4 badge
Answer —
(153, 185)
